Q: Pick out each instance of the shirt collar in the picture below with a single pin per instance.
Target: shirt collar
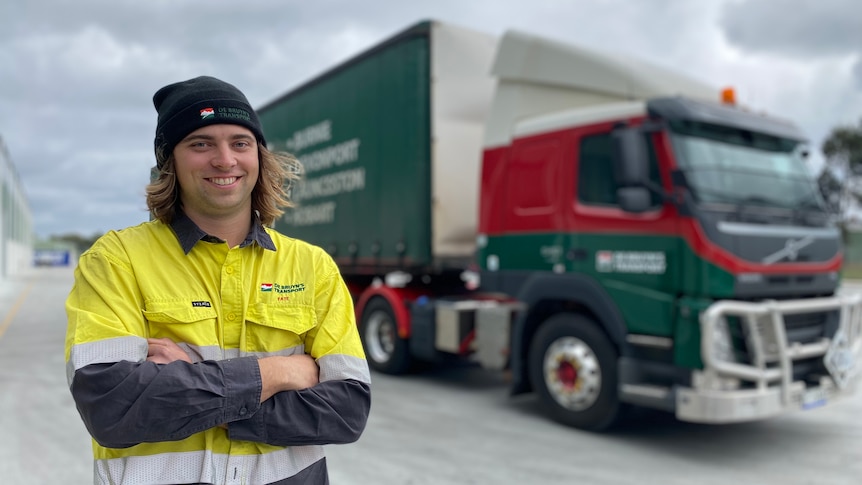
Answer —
(188, 233)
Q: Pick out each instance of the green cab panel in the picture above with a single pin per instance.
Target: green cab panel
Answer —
(658, 283)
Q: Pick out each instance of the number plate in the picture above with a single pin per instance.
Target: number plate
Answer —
(814, 398)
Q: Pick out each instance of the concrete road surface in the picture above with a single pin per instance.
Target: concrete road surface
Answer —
(42, 439)
(450, 426)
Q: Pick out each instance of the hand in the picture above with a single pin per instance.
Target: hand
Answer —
(302, 371)
(287, 373)
(165, 351)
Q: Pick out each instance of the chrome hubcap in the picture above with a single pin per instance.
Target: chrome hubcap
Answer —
(380, 335)
(572, 373)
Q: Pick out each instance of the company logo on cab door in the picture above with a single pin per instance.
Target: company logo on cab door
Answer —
(644, 262)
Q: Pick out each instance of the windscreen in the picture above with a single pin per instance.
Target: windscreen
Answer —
(726, 165)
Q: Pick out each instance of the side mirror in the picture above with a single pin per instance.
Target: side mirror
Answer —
(634, 199)
(631, 163)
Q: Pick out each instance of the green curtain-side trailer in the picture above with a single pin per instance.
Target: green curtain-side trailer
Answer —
(390, 144)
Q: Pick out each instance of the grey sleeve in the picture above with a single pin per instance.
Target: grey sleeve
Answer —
(126, 403)
(332, 412)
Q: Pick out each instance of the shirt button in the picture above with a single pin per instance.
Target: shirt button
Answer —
(231, 316)
(243, 411)
(229, 270)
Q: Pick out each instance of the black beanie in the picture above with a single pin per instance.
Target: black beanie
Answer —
(185, 106)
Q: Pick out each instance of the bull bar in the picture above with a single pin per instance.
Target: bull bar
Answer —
(769, 389)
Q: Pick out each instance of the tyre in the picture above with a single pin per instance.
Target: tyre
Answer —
(573, 368)
(385, 350)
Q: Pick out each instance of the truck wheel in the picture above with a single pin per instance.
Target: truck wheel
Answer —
(386, 351)
(573, 368)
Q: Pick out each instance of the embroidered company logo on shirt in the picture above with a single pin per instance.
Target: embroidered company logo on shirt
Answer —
(207, 113)
(278, 288)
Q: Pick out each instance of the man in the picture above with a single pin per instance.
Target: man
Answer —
(203, 346)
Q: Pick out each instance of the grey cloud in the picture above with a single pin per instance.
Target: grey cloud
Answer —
(796, 28)
(89, 193)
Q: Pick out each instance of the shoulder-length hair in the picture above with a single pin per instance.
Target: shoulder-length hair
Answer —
(270, 196)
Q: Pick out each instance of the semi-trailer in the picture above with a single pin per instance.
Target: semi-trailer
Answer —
(610, 232)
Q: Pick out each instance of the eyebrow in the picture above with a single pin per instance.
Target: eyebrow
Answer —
(237, 136)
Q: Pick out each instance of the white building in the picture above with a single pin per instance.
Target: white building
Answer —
(16, 222)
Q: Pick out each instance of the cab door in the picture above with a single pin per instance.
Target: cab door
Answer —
(634, 256)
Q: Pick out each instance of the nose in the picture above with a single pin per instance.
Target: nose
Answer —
(223, 156)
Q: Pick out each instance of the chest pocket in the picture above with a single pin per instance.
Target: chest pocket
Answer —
(182, 322)
(272, 328)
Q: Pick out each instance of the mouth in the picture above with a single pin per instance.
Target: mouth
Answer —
(223, 181)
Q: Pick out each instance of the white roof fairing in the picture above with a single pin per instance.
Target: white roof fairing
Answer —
(537, 76)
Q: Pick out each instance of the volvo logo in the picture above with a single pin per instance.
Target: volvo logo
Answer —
(790, 251)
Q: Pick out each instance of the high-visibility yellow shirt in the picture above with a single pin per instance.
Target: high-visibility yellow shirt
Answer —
(160, 423)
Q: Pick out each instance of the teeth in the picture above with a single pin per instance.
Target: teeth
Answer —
(223, 181)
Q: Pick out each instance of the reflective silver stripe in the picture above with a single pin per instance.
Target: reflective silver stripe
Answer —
(299, 349)
(336, 367)
(206, 467)
(214, 352)
(133, 349)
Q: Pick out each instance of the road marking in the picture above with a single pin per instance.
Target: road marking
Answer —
(9, 316)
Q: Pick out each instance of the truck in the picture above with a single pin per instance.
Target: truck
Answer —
(608, 232)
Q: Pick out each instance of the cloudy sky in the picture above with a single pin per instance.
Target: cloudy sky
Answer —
(77, 77)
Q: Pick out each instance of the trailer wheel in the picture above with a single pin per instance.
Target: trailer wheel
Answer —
(385, 350)
(573, 368)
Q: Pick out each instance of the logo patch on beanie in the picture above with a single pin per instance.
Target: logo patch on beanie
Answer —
(207, 113)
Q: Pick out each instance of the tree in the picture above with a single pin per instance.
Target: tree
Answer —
(839, 181)
(844, 147)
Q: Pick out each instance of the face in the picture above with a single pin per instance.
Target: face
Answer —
(217, 167)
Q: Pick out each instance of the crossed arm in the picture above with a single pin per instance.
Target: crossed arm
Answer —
(277, 373)
(126, 403)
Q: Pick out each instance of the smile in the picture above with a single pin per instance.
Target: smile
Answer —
(223, 180)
